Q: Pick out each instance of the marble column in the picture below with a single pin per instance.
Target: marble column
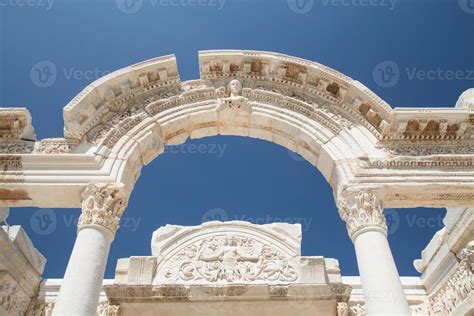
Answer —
(102, 208)
(362, 210)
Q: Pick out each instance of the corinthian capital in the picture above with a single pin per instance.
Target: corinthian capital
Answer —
(103, 205)
(362, 210)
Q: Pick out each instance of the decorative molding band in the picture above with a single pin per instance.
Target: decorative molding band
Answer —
(449, 162)
(104, 309)
(440, 196)
(362, 210)
(103, 205)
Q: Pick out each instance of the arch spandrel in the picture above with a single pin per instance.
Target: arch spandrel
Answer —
(123, 121)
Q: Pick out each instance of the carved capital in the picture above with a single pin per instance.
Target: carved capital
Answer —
(362, 210)
(106, 309)
(103, 205)
(342, 309)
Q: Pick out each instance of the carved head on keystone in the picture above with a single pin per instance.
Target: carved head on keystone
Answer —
(234, 88)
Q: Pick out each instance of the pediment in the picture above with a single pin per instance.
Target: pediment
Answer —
(235, 251)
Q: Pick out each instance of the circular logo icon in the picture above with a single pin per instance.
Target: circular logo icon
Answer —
(300, 298)
(293, 155)
(43, 221)
(386, 74)
(216, 214)
(467, 6)
(300, 6)
(43, 74)
(299, 141)
(129, 6)
(393, 220)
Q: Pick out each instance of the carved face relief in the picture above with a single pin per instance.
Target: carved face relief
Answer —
(235, 88)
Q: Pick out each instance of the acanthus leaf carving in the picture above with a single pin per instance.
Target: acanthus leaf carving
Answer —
(107, 309)
(102, 205)
(342, 309)
(362, 210)
(358, 310)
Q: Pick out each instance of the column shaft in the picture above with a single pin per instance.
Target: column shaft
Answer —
(383, 290)
(362, 210)
(80, 290)
(102, 208)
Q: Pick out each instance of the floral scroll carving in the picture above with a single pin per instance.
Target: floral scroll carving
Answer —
(230, 259)
(102, 205)
(361, 211)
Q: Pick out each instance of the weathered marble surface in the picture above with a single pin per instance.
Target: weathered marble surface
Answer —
(220, 267)
(122, 121)
(372, 155)
(447, 265)
(21, 267)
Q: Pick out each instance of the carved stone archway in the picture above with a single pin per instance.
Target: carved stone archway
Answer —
(373, 156)
(423, 157)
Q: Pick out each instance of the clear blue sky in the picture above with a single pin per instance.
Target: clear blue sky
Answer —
(240, 177)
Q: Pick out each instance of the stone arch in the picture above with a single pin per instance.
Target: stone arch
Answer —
(373, 156)
(122, 121)
(131, 114)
